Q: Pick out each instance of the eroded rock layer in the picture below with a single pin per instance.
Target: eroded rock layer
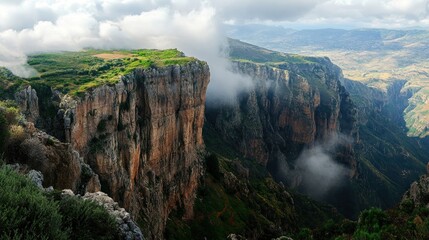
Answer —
(288, 107)
(142, 136)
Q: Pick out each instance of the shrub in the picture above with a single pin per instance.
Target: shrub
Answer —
(304, 234)
(25, 213)
(16, 134)
(10, 111)
(4, 132)
(372, 220)
(9, 115)
(87, 220)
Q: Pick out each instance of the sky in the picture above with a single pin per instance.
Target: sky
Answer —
(194, 27)
(329, 13)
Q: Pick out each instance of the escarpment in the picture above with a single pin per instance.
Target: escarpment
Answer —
(288, 107)
(142, 136)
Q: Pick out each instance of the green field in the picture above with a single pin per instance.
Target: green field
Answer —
(76, 72)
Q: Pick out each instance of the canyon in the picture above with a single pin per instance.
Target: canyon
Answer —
(147, 139)
(140, 139)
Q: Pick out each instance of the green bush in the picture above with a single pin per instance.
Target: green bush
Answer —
(4, 131)
(9, 115)
(25, 213)
(87, 220)
(372, 220)
(364, 235)
(304, 234)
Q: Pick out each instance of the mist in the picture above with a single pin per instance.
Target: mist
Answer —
(193, 27)
(316, 172)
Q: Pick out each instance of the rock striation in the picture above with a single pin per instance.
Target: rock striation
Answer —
(28, 103)
(288, 107)
(60, 166)
(142, 137)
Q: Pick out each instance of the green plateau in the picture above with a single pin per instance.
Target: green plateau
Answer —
(75, 73)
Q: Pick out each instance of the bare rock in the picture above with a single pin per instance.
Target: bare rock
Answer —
(28, 103)
(128, 228)
(53, 159)
(283, 238)
(418, 192)
(233, 236)
(143, 137)
(234, 185)
(36, 177)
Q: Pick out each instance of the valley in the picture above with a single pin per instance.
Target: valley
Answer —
(214, 120)
(376, 57)
(302, 151)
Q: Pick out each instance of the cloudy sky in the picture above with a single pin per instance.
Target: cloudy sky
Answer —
(21, 14)
(329, 13)
(193, 26)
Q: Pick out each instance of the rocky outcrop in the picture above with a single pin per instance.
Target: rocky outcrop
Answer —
(60, 166)
(289, 106)
(140, 138)
(28, 102)
(127, 227)
(418, 193)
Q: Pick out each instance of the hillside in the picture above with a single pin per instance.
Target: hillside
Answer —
(138, 128)
(128, 123)
(375, 57)
(381, 160)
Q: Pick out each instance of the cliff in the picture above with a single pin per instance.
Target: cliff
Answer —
(418, 192)
(142, 136)
(300, 113)
(389, 160)
(293, 103)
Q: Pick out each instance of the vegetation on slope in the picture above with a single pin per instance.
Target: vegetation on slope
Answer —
(28, 213)
(10, 130)
(76, 72)
(388, 159)
(241, 51)
(403, 222)
(375, 57)
(239, 196)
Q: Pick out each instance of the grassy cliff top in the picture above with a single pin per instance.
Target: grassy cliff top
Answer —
(76, 72)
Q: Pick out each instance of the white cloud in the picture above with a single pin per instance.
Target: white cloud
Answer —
(28, 26)
(370, 13)
(191, 26)
(245, 10)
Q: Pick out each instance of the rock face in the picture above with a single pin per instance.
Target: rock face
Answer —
(28, 103)
(289, 106)
(60, 166)
(418, 192)
(142, 137)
